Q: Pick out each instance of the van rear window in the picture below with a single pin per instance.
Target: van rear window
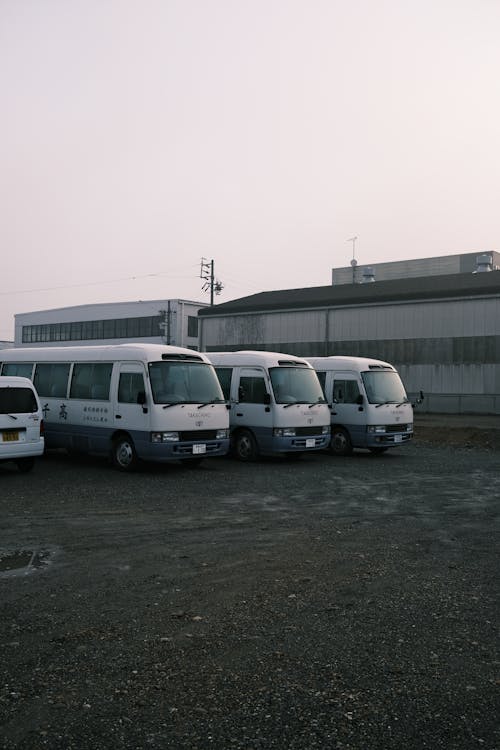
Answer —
(17, 401)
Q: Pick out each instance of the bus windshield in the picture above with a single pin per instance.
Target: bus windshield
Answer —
(184, 383)
(384, 387)
(296, 385)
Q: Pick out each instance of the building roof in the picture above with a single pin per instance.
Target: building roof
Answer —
(391, 290)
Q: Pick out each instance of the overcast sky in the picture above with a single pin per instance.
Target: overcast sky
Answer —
(138, 136)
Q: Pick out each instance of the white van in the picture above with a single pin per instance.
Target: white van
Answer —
(368, 404)
(276, 403)
(21, 423)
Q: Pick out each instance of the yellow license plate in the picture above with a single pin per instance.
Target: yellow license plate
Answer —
(10, 436)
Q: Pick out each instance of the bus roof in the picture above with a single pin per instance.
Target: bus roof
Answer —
(359, 364)
(257, 357)
(109, 352)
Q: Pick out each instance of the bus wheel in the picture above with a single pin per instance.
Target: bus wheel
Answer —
(340, 444)
(244, 446)
(123, 453)
(25, 464)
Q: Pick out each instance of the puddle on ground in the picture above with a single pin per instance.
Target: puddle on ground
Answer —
(23, 561)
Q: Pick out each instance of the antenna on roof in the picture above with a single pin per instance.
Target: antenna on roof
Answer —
(354, 262)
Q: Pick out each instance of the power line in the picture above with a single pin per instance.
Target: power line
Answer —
(97, 283)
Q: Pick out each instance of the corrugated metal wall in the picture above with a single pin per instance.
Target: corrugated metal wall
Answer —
(450, 349)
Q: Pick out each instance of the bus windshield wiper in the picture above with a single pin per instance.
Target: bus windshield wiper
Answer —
(12, 416)
(176, 403)
(213, 401)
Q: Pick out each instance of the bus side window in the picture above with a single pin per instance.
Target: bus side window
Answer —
(19, 369)
(345, 392)
(91, 381)
(51, 379)
(252, 390)
(130, 386)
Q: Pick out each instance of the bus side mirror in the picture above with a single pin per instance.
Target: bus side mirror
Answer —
(141, 399)
(360, 399)
(419, 399)
(267, 399)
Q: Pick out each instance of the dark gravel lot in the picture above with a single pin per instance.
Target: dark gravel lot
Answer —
(321, 603)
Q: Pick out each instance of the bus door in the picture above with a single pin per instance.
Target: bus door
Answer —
(131, 412)
(252, 399)
(348, 403)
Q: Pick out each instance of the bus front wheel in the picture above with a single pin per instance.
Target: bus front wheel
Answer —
(245, 446)
(123, 453)
(340, 444)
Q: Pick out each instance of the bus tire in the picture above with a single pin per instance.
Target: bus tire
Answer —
(25, 464)
(340, 443)
(123, 453)
(245, 446)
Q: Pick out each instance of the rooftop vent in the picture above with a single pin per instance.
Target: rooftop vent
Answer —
(368, 275)
(484, 262)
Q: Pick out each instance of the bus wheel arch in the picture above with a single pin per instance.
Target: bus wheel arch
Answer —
(340, 443)
(244, 445)
(123, 453)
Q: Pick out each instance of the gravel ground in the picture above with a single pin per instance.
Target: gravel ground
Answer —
(322, 603)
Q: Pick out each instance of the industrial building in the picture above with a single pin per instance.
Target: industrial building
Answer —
(172, 321)
(442, 265)
(442, 331)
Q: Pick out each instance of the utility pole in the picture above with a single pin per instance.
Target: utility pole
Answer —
(207, 273)
(165, 323)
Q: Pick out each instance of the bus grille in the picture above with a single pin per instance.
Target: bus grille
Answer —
(395, 427)
(315, 430)
(197, 435)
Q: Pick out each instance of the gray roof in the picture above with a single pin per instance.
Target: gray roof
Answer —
(392, 290)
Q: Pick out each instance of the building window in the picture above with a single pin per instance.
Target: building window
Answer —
(94, 330)
(192, 326)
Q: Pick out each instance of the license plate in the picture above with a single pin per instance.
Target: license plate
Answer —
(199, 448)
(9, 436)
(398, 438)
(310, 442)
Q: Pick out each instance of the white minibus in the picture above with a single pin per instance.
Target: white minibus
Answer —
(368, 404)
(21, 423)
(276, 403)
(129, 401)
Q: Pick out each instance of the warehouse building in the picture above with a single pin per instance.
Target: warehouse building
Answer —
(172, 321)
(442, 331)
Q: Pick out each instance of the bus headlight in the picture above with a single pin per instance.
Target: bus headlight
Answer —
(376, 428)
(284, 432)
(164, 437)
(325, 430)
(409, 427)
(222, 434)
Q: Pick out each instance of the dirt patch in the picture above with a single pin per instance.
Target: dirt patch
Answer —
(464, 437)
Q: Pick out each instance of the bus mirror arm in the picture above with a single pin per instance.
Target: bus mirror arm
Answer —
(419, 399)
(141, 399)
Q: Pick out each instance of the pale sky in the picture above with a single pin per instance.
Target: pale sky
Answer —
(138, 136)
